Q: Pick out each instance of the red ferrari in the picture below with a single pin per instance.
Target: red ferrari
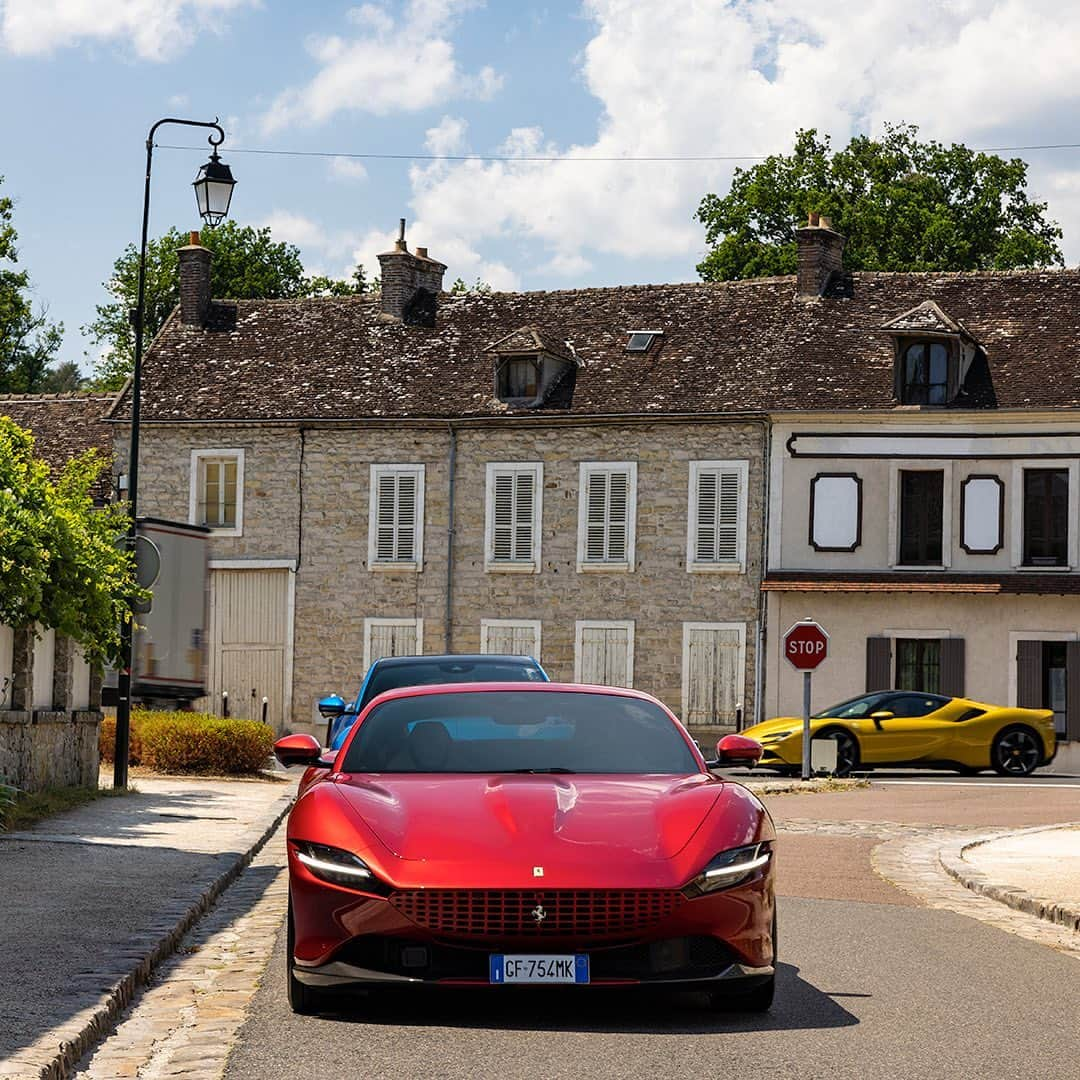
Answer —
(498, 834)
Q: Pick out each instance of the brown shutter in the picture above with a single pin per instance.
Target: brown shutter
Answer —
(1029, 689)
(1072, 690)
(879, 663)
(952, 666)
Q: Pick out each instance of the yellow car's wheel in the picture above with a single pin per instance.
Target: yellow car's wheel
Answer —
(1017, 751)
(847, 749)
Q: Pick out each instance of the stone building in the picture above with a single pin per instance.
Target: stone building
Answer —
(590, 476)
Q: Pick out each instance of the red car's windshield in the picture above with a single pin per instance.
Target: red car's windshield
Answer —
(503, 731)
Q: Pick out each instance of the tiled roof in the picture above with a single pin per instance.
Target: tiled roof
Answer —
(833, 581)
(64, 425)
(742, 347)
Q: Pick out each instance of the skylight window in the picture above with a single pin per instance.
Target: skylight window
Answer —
(641, 340)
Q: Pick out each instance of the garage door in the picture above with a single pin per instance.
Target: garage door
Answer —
(248, 631)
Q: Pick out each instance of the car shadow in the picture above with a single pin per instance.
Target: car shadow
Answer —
(799, 1005)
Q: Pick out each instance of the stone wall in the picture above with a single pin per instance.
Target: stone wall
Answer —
(51, 747)
(325, 470)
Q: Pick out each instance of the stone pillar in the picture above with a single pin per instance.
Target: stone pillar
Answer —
(63, 668)
(22, 666)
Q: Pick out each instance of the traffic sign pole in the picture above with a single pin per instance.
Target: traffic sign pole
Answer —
(807, 676)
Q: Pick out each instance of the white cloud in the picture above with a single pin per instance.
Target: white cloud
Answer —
(393, 64)
(295, 229)
(343, 168)
(447, 137)
(685, 78)
(154, 29)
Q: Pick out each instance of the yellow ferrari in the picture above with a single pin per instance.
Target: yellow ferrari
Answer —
(900, 727)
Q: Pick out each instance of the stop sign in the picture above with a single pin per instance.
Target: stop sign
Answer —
(805, 645)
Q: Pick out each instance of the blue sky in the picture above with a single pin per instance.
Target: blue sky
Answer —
(576, 80)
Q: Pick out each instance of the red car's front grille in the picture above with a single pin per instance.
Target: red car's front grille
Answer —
(480, 913)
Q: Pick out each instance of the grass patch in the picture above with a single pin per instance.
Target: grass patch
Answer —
(27, 808)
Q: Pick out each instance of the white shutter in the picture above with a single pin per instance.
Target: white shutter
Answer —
(509, 638)
(391, 637)
(397, 514)
(717, 512)
(502, 532)
(606, 519)
(524, 494)
(513, 511)
(605, 653)
(712, 673)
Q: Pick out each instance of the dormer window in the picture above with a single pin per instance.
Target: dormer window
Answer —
(925, 373)
(519, 378)
(933, 354)
(641, 340)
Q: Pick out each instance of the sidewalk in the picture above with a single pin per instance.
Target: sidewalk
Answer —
(93, 899)
(1034, 870)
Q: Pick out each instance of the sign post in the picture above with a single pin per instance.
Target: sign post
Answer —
(806, 645)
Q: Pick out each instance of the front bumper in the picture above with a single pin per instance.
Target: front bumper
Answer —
(689, 962)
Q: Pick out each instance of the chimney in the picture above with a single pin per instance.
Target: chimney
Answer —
(821, 255)
(194, 282)
(410, 284)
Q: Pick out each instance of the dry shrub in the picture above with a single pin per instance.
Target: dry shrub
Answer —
(184, 742)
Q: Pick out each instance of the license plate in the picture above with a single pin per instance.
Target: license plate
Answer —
(539, 969)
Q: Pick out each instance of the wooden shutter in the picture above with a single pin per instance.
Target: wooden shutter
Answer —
(596, 517)
(618, 515)
(502, 526)
(524, 496)
(717, 516)
(607, 515)
(952, 666)
(392, 639)
(1072, 690)
(878, 663)
(397, 495)
(1029, 688)
(605, 655)
(511, 639)
(513, 510)
(713, 675)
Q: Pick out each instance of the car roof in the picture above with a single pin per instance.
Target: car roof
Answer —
(453, 658)
(515, 688)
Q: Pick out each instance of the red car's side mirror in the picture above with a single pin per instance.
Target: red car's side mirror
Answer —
(737, 750)
(300, 750)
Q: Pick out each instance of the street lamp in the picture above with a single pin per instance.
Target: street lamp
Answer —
(213, 192)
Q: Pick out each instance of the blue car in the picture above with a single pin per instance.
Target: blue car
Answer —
(393, 672)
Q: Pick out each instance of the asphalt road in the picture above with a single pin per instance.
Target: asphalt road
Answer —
(870, 985)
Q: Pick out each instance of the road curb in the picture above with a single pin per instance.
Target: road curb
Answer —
(55, 1054)
(951, 858)
(816, 786)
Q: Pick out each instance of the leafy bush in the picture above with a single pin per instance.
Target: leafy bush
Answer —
(7, 801)
(182, 742)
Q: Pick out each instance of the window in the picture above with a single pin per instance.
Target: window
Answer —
(925, 374)
(519, 378)
(921, 509)
(396, 518)
(641, 340)
(510, 637)
(392, 637)
(717, 519)
(712, 677)
(918, 665)
(1046, 517)
(513, 516)
(604, 653)
(606, 511)
(217, 490)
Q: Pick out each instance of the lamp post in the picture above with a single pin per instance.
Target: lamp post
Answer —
(213, 193)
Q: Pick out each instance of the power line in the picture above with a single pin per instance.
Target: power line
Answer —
(536, 158)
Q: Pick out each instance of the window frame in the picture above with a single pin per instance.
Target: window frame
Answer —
(604, 624)
(740, 629)
(924, 536)
(920, 642)
(921, 465)
(536, 359)
(196, 482)
(371, 623)
(587, 469)
(1065, 542)
(926, 343)
(513, 566)
(812, 535)
(416, 564)
(536, 625)
(741, 468)
(1000, 543)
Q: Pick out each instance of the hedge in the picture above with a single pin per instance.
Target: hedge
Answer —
(183, 742)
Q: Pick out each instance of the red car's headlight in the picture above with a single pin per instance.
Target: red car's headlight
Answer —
(337, 866)
(731, 867)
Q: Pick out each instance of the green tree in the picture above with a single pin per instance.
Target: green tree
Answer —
(248, 264)
(61, 565)
(62, 378)
(902, 203)
(460, 286)
(28, 341)
(356, 285)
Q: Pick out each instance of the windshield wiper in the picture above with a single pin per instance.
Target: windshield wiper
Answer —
(554, 769)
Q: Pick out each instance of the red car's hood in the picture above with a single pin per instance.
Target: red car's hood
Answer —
(545, 820)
